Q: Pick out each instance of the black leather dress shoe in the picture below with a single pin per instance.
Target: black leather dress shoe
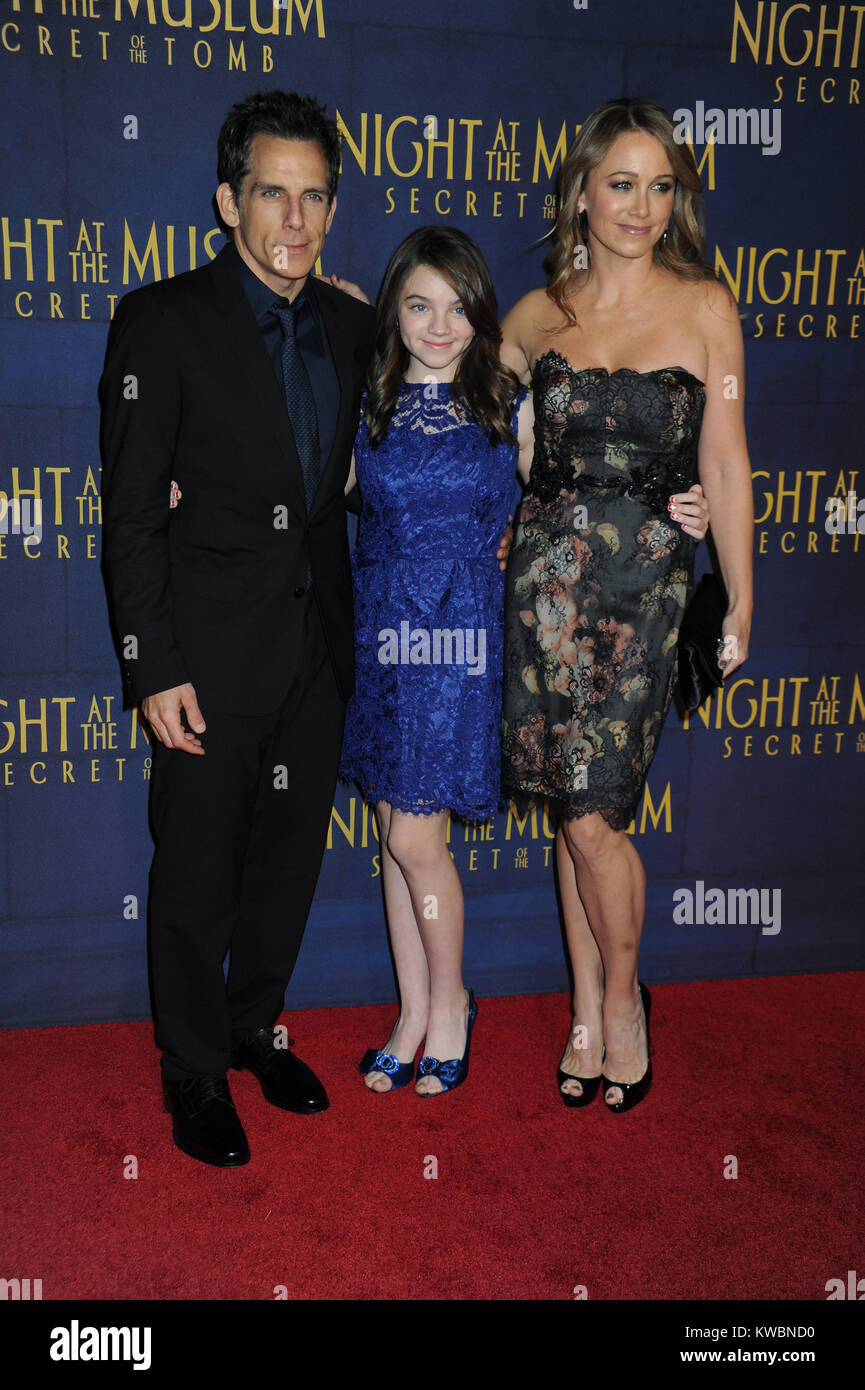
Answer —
(285, 1080)
(206, 1124)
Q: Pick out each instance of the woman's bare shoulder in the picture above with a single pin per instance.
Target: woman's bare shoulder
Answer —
(528, 324)
(532, 311)
(707, 299)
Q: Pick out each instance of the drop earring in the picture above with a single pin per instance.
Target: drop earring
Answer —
(584, 247)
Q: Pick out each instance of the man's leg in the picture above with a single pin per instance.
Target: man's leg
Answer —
(289, 833)
(202, 811)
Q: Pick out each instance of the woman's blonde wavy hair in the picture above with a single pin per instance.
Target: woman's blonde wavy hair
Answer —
(683, 251)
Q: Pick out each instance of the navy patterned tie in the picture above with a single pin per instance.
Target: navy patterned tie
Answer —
(299, 400)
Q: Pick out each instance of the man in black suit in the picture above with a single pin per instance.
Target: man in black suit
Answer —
(239, 383)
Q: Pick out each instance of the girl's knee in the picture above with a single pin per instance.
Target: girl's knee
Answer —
(414, 842)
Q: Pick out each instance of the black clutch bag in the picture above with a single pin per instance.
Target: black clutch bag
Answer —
(699, 639)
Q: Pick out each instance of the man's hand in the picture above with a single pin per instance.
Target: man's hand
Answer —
(347, 286)
(691, 510)
(162, 712)
(504, 549)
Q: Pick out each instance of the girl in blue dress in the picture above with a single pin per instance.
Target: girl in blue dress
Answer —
(444, 426)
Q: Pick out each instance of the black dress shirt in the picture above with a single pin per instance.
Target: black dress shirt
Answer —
(311, 341)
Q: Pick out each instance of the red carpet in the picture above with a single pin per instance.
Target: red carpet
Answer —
(531, 1199)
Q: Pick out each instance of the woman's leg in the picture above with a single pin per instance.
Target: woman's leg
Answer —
(612, 886)
(418, 845)
(584, 1052)
(408, 953)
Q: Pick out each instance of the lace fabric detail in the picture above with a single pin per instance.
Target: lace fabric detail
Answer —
(594, 600)
(631, 432)
(424, 733)
(429, 407)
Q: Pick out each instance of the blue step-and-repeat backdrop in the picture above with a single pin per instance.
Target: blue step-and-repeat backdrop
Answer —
(456, 113)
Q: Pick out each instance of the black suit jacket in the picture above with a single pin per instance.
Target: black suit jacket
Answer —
(211, 591)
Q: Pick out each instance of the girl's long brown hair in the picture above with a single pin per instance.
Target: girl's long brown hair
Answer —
(684, 250)
(483, 387)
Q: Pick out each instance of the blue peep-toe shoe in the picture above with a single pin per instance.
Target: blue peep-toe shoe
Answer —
(453, 1073)
(400, 1073)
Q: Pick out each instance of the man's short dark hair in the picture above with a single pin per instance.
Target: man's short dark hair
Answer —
(285, 114)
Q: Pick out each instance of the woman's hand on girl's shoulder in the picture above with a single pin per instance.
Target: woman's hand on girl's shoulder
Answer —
(347, 287)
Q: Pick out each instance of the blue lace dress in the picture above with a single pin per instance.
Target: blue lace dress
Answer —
(423, 729)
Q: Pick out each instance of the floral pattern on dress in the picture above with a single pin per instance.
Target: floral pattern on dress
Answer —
(594, 598)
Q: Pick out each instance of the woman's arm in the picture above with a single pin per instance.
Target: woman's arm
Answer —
(526, 438)
(515, 347)
(516, 356)
(526, 443)
(352, 492)
(352, 476)
(725, 469)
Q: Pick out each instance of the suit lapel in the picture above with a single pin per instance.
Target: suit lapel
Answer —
(342, 348)
(253, 363)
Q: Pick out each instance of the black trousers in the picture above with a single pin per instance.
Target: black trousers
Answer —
(240, 834)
